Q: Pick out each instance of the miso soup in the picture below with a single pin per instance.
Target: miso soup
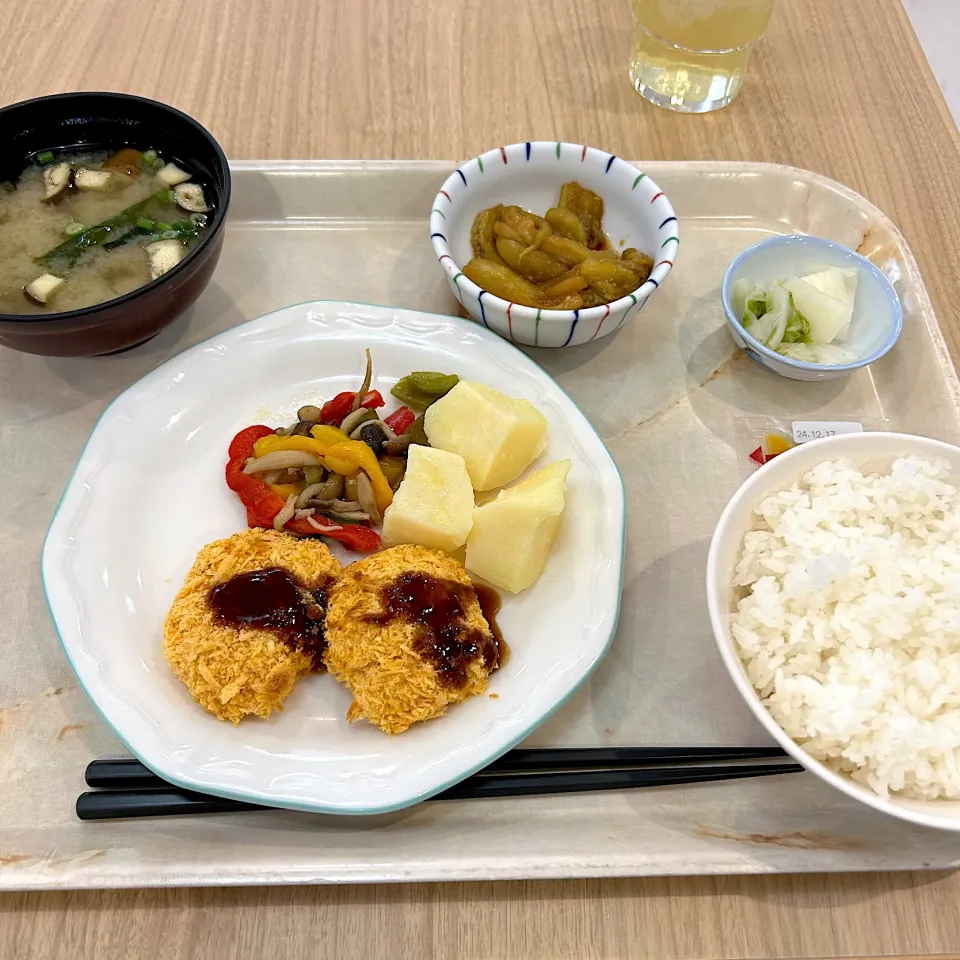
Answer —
(81, 228)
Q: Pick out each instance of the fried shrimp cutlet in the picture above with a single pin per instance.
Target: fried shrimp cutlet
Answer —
(248, 665)
(406, 634)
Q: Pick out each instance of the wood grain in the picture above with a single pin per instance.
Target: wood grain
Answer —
(838, 86)
(801, 916)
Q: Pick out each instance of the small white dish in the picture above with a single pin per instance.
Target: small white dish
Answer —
(869, 450)
(877, 313)
(637, 214)
(149, 491)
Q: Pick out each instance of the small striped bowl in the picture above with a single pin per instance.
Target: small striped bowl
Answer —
(636, 214)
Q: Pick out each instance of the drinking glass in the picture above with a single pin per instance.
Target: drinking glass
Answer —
(691, 55)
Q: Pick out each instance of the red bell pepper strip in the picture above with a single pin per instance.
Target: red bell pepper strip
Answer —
(263, 504)
(334, 411)
(400, 420)
(352, 535)
(242, 443)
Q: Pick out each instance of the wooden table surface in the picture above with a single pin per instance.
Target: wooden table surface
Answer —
(838, 86)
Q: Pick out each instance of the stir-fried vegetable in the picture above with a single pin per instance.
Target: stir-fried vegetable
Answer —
(367, 377)
(400, 419)
(263, 504)
(423, 387)
(322, 490)
(356, 417)
(285, 489)
(328, 434)
(503, 282)
(354, 455)
(334, 411)
(560, 261)
(282, 460)
(318, 444)
(393, 469)
(367, 498)
(315, 474)
(417, 432)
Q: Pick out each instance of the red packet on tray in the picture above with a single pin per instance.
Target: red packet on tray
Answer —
(760, 439)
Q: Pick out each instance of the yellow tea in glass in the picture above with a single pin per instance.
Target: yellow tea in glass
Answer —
(691, 55)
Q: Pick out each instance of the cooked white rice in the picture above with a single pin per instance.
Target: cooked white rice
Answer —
(848, 621)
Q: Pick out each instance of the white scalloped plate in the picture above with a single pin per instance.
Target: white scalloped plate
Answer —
(148, 492)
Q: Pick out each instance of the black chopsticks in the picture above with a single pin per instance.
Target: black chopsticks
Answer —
(126, 788)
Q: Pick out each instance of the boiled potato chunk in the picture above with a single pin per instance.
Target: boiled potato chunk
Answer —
(433, 506)
(512, 535)
(497, 436)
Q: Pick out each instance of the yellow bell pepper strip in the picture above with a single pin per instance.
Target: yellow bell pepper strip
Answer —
(318, 446)
(263, 504)
(285, 489)
(328, 435)
(347, 458)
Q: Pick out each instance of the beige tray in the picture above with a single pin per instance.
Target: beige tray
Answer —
(678, 408)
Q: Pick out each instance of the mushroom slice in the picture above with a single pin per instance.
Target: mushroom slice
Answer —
(56, 178)
(39, 291)
(164, 255)
(84, 179)
(170, 175)
(125, 161)
(367, 501)
(190, 197)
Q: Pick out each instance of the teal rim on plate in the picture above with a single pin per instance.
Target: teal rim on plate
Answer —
(187, 783)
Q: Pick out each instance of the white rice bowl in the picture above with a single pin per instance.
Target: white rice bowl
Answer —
(834, 591)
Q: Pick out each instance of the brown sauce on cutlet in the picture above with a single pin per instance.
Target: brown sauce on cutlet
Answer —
(272, 600)
(438, 608)
(490, 604)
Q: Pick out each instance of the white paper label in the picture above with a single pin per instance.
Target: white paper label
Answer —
(805, 430)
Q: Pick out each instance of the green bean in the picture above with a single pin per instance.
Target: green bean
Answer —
(417, 432)
(423, 388)
(435, 384)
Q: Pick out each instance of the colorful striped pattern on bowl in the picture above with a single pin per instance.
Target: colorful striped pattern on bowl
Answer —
(636, 198)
